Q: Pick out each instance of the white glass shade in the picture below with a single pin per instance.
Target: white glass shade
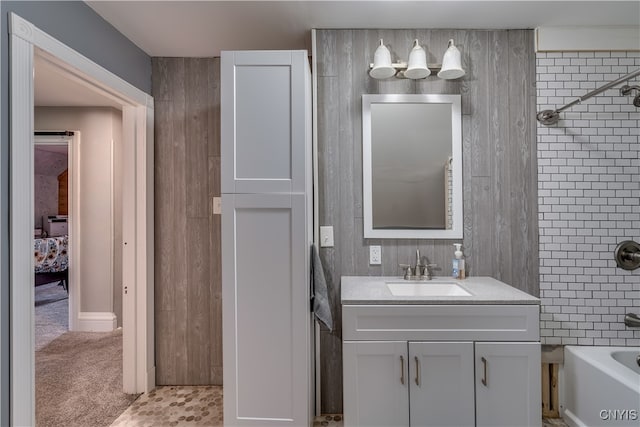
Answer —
(382, 68)
(451, 63)
(417, 66)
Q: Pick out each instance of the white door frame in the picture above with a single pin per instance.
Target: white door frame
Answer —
(138, 115)
(73, 184)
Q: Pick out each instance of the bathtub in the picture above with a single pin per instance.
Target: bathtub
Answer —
(601, 386)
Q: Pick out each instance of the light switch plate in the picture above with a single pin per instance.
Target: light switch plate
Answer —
(375, 255)
(326, 236)
(217, 205)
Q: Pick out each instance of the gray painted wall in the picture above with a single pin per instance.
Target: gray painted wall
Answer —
(499, 161)
(78, 26)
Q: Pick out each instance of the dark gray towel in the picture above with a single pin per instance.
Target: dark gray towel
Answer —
(321, 300)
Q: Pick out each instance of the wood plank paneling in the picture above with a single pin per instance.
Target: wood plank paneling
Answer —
(187, 237)
(197, 134)
(521, 155)
(500, 169)
(499, 164)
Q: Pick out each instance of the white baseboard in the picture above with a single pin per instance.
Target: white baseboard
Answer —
(96, 322)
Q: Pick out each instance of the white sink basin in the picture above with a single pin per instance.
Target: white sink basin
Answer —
(427, 289)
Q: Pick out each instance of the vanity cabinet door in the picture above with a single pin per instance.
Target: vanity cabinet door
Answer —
(376, 383)
(441, 384)
(507, 384)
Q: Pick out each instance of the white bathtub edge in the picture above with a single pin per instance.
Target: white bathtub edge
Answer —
(600, 357)
(572, 420)
(592, 379)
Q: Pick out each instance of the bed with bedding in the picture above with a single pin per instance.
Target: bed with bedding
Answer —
(51, 260)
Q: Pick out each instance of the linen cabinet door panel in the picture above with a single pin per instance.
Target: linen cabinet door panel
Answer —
(266, 318)
(508, 389)
(375, 383)
(442, 384)
(264, 119)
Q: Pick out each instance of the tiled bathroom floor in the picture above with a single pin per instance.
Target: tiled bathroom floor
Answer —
(201, 406)
(175, 406)
(196, 406)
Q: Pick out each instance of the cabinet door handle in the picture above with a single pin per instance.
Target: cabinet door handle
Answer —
(417, 370)
(402, 370)
(484, 370)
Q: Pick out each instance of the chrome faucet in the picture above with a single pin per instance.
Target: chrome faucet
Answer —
(428, 273)
(408, 271)
(421, 271)
(632, 320)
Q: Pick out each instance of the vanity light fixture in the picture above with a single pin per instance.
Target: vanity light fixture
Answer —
(382, 68)
(417, 67)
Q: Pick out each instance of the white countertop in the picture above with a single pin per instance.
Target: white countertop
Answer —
(484, 290)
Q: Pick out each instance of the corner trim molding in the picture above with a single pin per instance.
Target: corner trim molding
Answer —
(20, 27)
(22, 360)
(151, 377)
(97, 321)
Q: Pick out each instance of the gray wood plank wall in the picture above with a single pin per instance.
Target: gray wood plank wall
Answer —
(188, 300)
(499, 163)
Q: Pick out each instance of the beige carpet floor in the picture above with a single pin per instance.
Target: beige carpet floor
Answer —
(79, 380)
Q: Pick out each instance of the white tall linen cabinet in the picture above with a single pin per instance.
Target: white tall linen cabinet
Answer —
(266, 238)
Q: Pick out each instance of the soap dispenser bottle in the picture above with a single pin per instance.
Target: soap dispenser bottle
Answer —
(458, 262)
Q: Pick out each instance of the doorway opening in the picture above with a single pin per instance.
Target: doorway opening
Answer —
(27, 43)
(51, 236)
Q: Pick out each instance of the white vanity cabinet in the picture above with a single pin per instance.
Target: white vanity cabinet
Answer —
(441, 365)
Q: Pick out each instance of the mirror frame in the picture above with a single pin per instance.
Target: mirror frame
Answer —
(456, 231)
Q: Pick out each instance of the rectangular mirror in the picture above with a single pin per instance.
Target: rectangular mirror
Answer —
(412, 166)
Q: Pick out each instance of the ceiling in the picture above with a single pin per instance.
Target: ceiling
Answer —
(52, 148)
(204, 28)
(49, 159)
(53, 88)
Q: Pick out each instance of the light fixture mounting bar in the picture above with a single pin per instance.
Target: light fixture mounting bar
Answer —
(401, 66)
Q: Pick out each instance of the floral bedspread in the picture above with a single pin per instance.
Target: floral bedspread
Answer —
(51, 255)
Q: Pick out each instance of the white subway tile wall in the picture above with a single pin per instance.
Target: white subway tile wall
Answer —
(589, 199)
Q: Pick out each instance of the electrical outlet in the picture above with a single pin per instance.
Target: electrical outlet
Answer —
(375, 255)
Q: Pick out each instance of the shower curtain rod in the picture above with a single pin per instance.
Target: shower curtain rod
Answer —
(550, 117)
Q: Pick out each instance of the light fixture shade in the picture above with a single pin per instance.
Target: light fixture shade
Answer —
(451, 63)
(382, 68)
(417, 66)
